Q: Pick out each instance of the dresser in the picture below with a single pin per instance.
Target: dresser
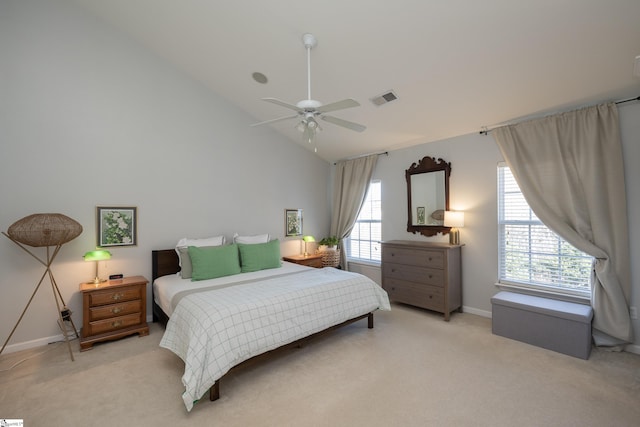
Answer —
(113, 309)
(423, 274)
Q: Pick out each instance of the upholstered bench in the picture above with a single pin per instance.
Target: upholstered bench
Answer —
(560, 326)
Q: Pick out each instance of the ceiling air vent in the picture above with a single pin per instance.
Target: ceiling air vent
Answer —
(384, 98)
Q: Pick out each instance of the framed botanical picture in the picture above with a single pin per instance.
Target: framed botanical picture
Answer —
(292, 222)
(117, 226)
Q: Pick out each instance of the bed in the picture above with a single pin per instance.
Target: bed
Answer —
(215, 325)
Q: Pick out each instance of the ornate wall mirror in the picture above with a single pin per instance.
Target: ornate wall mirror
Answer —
(428, 196)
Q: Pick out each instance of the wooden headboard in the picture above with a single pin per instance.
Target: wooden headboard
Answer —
(163, 263)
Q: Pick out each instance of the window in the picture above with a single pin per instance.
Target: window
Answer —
(363, 244)
(531, 255)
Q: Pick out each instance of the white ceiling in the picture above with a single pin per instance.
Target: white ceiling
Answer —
(456, 65)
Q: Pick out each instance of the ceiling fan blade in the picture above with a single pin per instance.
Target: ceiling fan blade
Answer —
(282, 104)
(340, 105)
(344, 123)
(275, 120)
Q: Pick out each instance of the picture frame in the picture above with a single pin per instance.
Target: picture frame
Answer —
(116, 226)
(421, 215)
(292, 222)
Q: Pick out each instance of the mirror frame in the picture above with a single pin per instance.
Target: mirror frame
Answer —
(426, 165)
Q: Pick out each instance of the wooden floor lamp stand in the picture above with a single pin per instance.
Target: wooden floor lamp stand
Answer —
(60, 304)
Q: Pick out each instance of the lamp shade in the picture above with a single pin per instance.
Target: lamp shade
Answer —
(308, 239)
(46, 229)
(99, 255)
(454, 219)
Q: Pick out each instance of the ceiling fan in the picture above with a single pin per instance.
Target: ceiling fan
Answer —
(309, 110)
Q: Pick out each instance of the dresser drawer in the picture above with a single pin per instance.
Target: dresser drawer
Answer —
(417, 257)
(421, 275)
(115, 323)
(111, 296)
(429, 297)
(114, 310)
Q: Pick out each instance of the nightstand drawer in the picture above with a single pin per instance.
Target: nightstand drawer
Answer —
(108, 311)
(114, 323)
(111, 296)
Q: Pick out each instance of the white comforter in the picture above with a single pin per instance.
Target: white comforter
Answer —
(214, 330)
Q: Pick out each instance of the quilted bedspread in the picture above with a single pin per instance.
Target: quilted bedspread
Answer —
(214, 330)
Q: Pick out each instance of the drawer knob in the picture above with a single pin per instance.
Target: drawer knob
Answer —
(430, 276)
(430, 258)
(116, 310)
(116, 324)
(117, 296)
(393, 270)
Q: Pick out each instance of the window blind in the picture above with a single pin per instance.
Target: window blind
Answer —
(530, 254)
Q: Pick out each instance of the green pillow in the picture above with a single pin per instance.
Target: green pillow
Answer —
(213, 261)
(259, 256)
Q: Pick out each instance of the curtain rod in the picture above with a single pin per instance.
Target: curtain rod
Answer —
(364, 155)
(485, 130)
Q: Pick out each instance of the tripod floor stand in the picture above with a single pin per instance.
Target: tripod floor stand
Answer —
(50, 231)
(60, 304)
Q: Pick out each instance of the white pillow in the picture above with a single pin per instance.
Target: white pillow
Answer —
(209, 241)
(259, 238)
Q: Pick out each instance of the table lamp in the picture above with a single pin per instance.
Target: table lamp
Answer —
(307, 239)
(454, 219)
(97, 256)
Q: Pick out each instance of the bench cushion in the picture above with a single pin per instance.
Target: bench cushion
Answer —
(551, 307)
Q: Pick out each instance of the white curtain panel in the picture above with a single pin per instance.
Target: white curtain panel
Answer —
(350, 187)
(570, 170)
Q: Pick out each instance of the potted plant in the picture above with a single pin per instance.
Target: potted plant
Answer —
(329, 242)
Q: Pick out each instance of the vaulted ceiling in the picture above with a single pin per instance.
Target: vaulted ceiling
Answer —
(455, 65)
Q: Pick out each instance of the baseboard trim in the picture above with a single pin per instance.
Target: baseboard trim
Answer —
(26, 345)
(632, 348)
(476, 311)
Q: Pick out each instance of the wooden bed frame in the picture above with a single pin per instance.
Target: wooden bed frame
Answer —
(165, 262)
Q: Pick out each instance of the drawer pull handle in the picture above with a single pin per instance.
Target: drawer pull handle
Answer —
(116, 324)
(116, 297)
(430, 276)
(116, 310)
(430, 258)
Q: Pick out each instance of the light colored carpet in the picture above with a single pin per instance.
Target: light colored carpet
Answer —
(412, 369)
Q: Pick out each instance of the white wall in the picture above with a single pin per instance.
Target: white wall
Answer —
(473, 189)
(88, 118)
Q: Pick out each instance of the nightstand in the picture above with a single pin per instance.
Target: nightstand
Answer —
(113, 309)
(309, 260)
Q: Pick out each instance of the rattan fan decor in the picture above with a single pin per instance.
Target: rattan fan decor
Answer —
(44, 229)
